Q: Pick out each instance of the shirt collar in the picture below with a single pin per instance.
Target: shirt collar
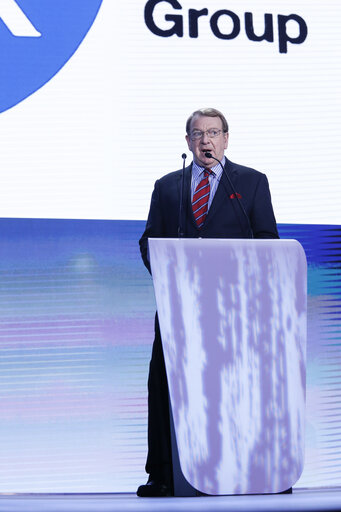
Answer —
(216, 170)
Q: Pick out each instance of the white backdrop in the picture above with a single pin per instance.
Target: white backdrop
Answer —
(91, 142)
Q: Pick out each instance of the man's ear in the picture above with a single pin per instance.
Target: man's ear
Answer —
(226, 135)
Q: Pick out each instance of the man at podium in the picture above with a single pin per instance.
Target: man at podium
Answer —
(211, 198)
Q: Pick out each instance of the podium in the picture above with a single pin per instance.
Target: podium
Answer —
(232, 316)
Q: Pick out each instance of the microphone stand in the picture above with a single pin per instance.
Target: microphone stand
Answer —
(180, 226)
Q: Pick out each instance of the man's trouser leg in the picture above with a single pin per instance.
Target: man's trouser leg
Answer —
(159, 459)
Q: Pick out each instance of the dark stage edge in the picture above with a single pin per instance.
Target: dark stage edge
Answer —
(300, 500)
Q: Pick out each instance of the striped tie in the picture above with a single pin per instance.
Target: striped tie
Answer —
(200, 199)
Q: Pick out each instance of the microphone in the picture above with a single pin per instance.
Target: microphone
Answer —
(250, 233)
(180, 226)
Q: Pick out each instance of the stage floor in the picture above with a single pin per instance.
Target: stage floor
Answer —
(300, 500)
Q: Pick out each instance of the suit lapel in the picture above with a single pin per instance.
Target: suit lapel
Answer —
(187, 187)
(223, 193)
(187, 200)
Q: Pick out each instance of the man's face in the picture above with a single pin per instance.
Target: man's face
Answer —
(215, 145)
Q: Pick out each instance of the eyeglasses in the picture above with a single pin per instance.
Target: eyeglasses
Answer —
(197, 134)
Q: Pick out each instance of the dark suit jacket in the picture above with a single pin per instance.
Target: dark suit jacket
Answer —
(225, 218)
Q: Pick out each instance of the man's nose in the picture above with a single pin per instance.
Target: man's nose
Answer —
(205, 138)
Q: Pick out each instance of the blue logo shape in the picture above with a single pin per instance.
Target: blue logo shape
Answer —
(37, 37)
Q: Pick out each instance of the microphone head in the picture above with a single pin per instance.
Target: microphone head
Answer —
(184, 156)
(208, 154)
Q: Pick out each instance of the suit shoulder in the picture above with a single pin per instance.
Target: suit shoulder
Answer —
(244, 171)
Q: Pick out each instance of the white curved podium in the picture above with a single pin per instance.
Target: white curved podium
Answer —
(232, 316)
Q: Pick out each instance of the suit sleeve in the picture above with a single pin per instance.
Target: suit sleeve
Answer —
(154, 226)
(262, 216)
